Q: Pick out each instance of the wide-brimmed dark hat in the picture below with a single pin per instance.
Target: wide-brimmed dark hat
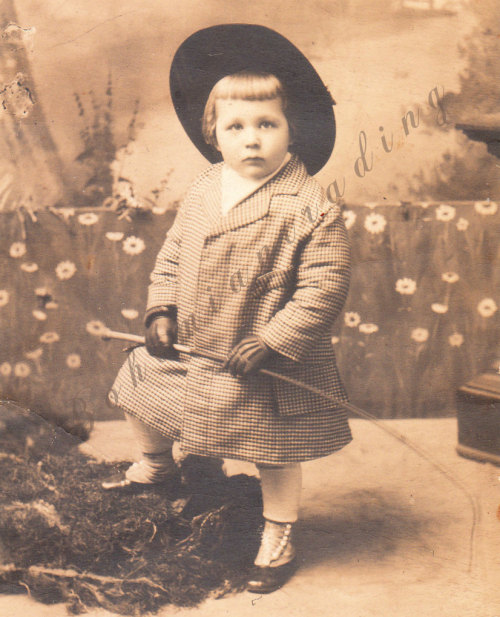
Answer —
(212, 53)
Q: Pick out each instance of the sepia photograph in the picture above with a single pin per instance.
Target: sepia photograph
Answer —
(249, 308)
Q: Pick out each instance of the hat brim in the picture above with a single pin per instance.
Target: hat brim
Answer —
(212, 53)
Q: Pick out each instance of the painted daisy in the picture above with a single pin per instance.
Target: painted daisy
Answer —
(95, 327)
(133, 245)
(66, 212)
(420, 335)
(406, 286)
(130, 313)
(21, 369)
(17, 249)
(49, 337)
(439, 308)
(486, 207)
(65, 270)
(349, 218)
(487, 307)
(368, 328)
(335, 340)
(445, 213)
(35, 354)
(29, 267)
(450, 277)
(5, 369)
(73, 360)
(88, 218)
(462, 224)
(456, 339)
(375, 223)
(42, 292)
(114, 236)
(352, 319)
(4, 297)
(38, 314)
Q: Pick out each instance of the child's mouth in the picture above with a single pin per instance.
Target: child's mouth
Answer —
(253, 159)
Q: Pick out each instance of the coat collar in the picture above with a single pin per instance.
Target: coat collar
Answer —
(254, 207)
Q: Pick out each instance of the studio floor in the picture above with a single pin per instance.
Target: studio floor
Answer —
(382, 534)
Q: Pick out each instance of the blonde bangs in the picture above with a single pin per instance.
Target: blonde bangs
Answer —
(246, 86)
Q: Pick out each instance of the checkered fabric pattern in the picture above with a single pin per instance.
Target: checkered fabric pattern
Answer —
(276, 265)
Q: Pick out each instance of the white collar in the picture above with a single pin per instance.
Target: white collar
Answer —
(236, 188)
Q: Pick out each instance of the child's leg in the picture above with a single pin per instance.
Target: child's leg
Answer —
(281, 488)
(156, 454)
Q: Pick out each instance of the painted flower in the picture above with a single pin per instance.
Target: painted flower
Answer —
(420, 335)
(349, 218)
(368, 328)
(29, 267)
(114, 236)
(96, 327)
(51, 305)
(17, 249)
(425, 204)
(371, 204)
(5, 369)
(21, 369)
(439, 308)
(352, 319)
(445, 213)
(88, 218)
(35, 354)
(73, 360)
(456, 339)
(462, 224)
(40, 315)
(487, 307)
(375, 223)
(4, 297)
(130, 313)
(133, 245)
(406, 286)
(49, 337)
(42, 292)
(450, 277)
(66, 212)
(335, 340)
(486, 207)
(65, 270)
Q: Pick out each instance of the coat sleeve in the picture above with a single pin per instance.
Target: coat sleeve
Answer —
(162, 291)
(322, 284)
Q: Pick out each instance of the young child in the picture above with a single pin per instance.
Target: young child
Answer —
(256, 268)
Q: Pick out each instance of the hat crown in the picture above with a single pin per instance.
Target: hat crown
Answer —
(212, 53)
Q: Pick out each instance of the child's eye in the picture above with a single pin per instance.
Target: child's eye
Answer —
(267, 124)
(236, 126)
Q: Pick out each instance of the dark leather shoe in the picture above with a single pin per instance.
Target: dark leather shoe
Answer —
(267, 579)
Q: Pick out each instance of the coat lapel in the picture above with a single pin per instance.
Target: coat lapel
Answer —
(256, 205)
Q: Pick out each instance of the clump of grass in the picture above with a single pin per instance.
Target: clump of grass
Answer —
(66, 540)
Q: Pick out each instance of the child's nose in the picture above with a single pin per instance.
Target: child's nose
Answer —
(252, 138)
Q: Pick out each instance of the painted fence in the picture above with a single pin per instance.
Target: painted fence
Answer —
(422, 315)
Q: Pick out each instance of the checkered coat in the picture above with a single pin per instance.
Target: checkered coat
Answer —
(276, 265)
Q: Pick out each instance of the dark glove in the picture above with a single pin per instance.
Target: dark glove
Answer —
(248, 356)
(161, 334)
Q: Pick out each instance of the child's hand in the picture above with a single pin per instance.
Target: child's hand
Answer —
(247, 357)
(161, 335)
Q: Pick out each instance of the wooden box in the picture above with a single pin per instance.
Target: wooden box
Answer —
(478, 413)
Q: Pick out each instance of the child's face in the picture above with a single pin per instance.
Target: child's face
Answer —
(252, 136)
